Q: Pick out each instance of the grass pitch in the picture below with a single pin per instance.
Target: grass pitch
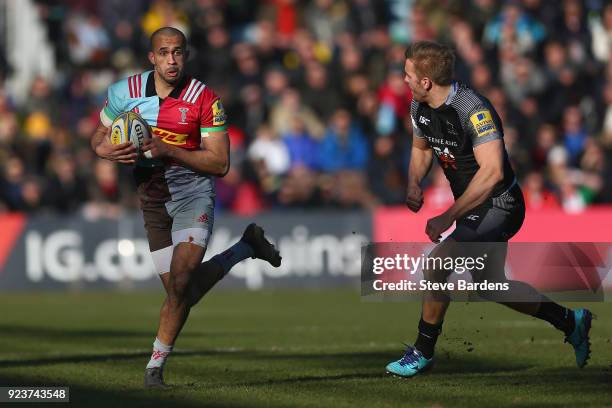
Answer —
(277, 349)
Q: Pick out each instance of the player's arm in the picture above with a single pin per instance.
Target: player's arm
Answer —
(421, 159)
(100, 143)
(490, 158)
(212, 159)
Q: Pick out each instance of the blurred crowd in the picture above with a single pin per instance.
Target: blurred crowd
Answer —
(316, 101)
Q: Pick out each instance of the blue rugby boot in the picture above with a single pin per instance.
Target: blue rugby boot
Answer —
(412, 363)
(579, 338)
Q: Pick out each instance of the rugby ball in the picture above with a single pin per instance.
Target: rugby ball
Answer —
(130, 127)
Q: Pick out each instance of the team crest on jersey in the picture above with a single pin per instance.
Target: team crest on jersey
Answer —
(218, 113)
(446, 157)
(183, 115)
(483, 123)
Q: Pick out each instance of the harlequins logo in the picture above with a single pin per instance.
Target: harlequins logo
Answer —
(183, 115)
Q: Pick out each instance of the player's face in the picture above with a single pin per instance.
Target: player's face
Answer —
(416, 84)
(168, 57)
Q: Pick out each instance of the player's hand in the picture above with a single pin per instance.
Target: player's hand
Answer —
(123, 153)
(437, 225)
(155, 148)
(414, 198)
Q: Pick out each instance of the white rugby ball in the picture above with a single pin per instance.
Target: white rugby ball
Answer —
(130, 127)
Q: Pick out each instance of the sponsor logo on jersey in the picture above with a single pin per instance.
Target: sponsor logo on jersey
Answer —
(218, 113)
(446, 158)
(435, 140)
(183, 115)
(170, 137)
(424, 120)
(483, 123)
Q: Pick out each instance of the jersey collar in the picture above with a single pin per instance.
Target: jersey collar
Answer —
(176, 92)
(452, 93)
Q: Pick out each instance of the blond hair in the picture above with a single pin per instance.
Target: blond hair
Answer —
(432, 60)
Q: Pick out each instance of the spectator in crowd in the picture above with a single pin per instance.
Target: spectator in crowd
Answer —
(601, 33)
(316, 98)
(290, 106)
(344, 146)
(537, 195)
(574, 134)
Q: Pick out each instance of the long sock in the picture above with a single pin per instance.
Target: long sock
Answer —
(230, 257)
(159, 355)
(427, 337)
(560, 317)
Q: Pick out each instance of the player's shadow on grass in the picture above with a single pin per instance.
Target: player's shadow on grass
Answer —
(77, 334)
(93, 358)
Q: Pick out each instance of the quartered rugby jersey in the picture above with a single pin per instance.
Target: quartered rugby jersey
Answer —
(464, 121)
(187, 114)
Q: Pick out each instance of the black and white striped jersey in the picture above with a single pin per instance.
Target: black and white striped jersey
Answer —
(464, 121)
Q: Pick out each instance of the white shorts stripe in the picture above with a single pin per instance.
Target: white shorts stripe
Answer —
(162, 259)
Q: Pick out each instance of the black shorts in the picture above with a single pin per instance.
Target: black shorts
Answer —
(496, 220)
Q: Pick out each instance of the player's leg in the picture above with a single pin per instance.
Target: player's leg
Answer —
(185, 260)
(419, 357)
(253, 244)
(158, 225)
(500, 224)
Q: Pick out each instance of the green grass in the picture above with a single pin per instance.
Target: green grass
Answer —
(277, 349)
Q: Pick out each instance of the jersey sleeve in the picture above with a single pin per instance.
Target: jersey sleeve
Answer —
(212, 116)
(481, 126)
(413, 114)
(113, 106)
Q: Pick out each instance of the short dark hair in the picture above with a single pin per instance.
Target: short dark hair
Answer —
(433, 60)
(169, 32)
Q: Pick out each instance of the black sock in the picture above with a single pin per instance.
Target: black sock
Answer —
(560, 317)
(427, 337)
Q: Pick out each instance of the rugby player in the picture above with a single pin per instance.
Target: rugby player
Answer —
(464, 132)
(175, 182)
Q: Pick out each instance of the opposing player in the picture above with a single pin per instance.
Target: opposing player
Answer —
(462, 129)
(175, 182)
